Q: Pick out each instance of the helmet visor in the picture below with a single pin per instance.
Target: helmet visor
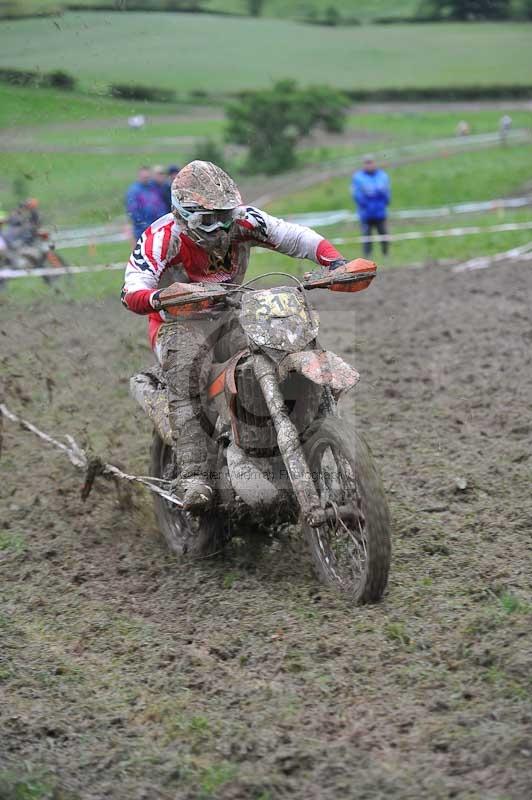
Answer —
(205, 220)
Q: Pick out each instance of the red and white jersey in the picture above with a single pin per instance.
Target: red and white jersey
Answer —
(164, 254)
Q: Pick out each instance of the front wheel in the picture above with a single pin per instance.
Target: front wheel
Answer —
(184, 533)
(352, 555)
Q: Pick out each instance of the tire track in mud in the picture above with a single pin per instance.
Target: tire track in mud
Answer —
(126, 674)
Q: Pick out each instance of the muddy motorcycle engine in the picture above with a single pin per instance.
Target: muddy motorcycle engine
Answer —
(255, 431)
(255, 470)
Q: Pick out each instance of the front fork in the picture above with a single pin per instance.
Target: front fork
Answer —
(289, 444)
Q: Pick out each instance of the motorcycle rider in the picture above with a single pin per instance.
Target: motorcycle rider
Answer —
(205, 239)
(25, 248)
(23, 224)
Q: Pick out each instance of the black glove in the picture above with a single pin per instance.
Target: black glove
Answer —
(323, 271)
(338, 263)
(155, 301)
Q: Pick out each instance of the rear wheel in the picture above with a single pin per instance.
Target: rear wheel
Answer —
(353, 555)
(184, 533)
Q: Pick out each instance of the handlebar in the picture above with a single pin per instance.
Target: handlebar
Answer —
(351, 277)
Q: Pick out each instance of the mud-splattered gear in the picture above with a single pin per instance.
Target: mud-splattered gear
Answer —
(203, 185)
(206, 221)
(266, 419)
(185, 350)
(203, 200)
(164, 255)
(206, 239)
(182, 348)
(208, 229)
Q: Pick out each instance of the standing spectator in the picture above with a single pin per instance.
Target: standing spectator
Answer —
(370, 190)
(160, 177)
(171, 173)
(144, 202)
(505, 123)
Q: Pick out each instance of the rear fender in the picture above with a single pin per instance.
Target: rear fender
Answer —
(321, 367)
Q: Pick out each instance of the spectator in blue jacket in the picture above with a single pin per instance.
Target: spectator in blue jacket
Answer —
(144, 202)
(370, 190)
(170, 174)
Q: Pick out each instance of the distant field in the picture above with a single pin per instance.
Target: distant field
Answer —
(34, 107)
(77, 188)
(215, 54)
(85, 188)
(412, 125)
(153, 134)
(364, 10)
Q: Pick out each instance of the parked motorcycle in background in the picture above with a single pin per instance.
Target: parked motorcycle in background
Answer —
(283, 453)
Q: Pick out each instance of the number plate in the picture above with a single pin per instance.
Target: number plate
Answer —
(278, 318)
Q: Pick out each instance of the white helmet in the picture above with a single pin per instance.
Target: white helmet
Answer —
(203, 201)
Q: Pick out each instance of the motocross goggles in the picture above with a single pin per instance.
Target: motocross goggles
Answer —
(204, 219)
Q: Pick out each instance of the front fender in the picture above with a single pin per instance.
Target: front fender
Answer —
(148, 390)
(322, 367)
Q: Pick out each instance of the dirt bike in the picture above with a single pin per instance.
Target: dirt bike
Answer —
(37, 254)
(280, 449)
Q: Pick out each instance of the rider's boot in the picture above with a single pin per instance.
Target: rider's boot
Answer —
(195, 487)
(193, 460)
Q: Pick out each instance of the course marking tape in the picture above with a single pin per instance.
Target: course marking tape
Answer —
(79, 458)
(522, 253)
(111, 234)
(438, 234)
(397, 237)
(325, 218)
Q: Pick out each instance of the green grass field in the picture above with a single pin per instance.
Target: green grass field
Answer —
(215, 54)
(77, 188)
(363, 10)
(84, 188)
(411, 126)
(459, 177)
(117, 134)
(88, 187)
(34, 107)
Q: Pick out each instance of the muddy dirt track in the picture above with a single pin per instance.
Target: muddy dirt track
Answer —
(127, 675)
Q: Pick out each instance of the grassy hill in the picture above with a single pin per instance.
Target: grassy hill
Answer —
(363, 10)
(77, 154)
(215, 54)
